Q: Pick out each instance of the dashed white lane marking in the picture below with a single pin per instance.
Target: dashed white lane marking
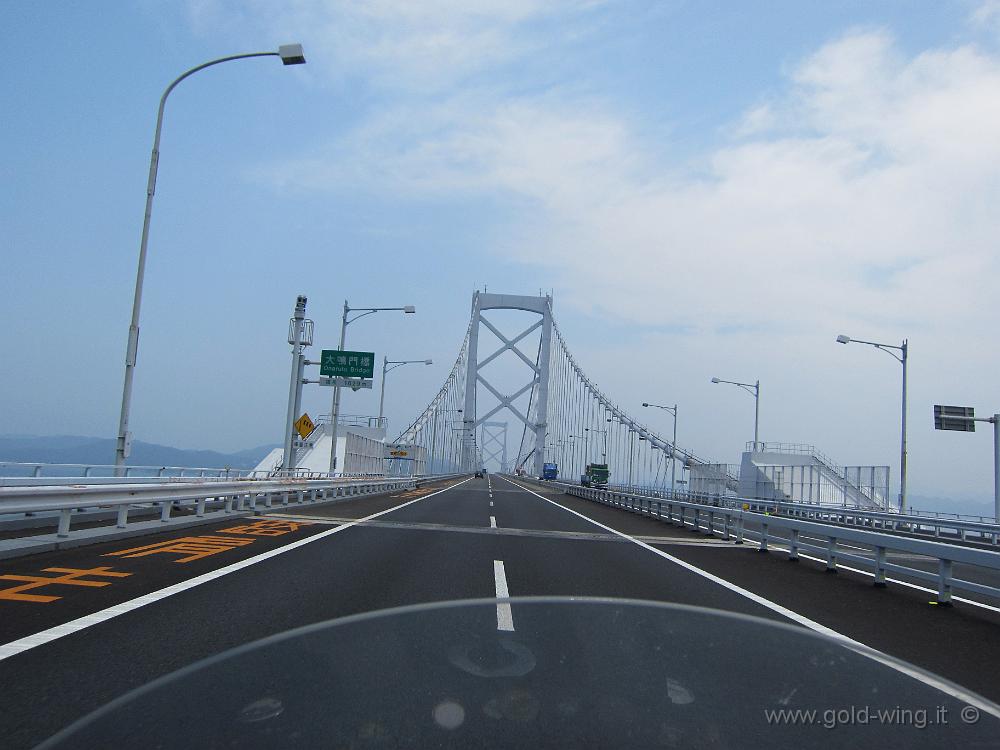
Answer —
(493, 522)
(505, 618)
(874, 654)
(95, 618)
(491, 503)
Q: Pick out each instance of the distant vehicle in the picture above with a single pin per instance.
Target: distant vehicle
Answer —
(550, 471)
(479, 473)
(595, 475)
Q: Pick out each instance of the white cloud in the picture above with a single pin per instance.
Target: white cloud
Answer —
(411, 45)
(860, 198)
(987, 15)
(869, 163)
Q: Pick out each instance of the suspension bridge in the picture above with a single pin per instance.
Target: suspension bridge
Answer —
(565, 419)
(107, 583)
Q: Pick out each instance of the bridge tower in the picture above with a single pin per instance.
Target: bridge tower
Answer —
(493, 441)
(481, 302)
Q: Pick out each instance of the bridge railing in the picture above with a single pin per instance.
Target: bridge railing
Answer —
(42, 469)
(938, 525)
(732, 523)
(208, 500)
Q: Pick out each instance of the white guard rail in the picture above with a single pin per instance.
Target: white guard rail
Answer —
(733, 522)
(37, 469)
(926, 525)
(237, 495)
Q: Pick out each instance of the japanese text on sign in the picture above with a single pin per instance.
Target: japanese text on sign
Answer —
(336, 363)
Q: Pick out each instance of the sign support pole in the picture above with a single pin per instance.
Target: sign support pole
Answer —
(335, 405)
(295, 387)
(996, 467)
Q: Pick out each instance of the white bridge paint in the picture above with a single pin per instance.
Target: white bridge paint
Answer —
(539, 369)
(360, 450)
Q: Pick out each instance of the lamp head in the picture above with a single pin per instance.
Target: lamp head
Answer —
(842, 339)
(291, 54)
(715, 380)
(645, 404)
(409, 309)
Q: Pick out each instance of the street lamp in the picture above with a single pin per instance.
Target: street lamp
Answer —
(396, 364)
(335, 408)
(756, 397)
(901, 358)
(290, 54)
(673, 444)
(604, 455)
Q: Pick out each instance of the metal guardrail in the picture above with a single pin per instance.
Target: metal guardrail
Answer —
(233, 496)
(936, 525)
(732, 523)
(38, 469)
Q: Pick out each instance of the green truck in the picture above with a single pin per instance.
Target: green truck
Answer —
(595, 475)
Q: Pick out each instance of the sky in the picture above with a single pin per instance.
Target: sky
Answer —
(705, 188)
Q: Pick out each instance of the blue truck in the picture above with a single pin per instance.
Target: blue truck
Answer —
(550, 471)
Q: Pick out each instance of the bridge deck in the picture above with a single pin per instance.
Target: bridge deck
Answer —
(186, 597)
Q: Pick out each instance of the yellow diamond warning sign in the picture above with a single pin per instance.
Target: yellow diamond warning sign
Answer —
(304, 425)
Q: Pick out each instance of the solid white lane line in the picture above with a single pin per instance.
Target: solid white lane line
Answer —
(954, 598)
(783, 547)
(505, 618)
(493, 522)
(868, 651)
(60, 631)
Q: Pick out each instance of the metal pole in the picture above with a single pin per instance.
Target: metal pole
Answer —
(381, 400)
(630, 445)
(294, 388)
(996, 467)
(756, 414)
(299, 382)
(434, 432)
(673, 458)
(132, 351)
(335, 406)
(902, 450)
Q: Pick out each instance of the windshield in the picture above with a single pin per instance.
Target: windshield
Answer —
(317, 308)
(575, 673)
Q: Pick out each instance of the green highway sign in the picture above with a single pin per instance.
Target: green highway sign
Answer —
(335, 363)
(957, 418)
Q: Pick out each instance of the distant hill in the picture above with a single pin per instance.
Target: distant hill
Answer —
(75, 449)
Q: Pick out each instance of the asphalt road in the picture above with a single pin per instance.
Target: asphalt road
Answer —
(166, 601)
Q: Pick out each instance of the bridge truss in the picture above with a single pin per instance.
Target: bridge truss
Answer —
(569, 421)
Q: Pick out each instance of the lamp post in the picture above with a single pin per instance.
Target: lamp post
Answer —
(573, 448)
(396, 364)
(290, 54)
(604, 454)
(673, 444)
(335, 408)
(756, 397)
(901, 358)
(300, 335)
